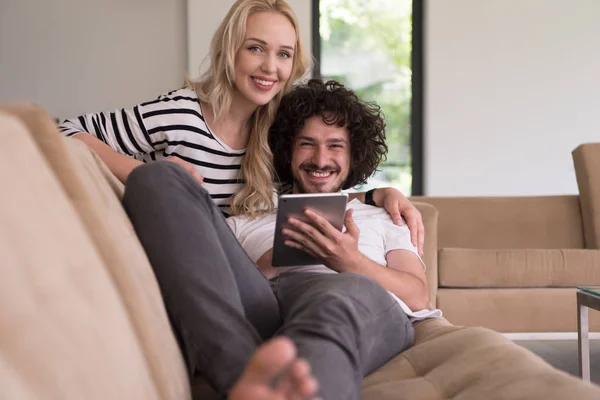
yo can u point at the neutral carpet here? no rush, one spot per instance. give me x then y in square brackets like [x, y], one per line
[563, 354]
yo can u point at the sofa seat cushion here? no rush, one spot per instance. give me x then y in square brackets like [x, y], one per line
[452, 362]
[518, 268]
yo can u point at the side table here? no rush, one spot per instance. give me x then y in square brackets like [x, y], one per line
[587, 297]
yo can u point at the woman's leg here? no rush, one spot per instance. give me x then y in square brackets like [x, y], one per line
[220, 304]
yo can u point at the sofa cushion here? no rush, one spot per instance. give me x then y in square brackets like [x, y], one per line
[93, 191]
[451, 362]
[518, 268]
[489, 222]
[456, 362]
[514, 310]
[64, 331]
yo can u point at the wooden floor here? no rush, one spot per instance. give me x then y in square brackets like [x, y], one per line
[563, 355]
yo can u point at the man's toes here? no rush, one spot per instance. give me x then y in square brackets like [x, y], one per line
[303, 381]
[274, 369]
[272, 358]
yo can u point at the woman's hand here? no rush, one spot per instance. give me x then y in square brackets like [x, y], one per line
[398, 206]
[188, 167]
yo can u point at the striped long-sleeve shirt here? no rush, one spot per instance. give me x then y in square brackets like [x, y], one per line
[172, 125]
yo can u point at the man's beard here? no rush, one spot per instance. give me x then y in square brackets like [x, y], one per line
[302, 189]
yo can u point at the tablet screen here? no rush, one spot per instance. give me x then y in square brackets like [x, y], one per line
[331, 206]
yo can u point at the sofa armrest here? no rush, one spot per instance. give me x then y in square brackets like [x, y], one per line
[430, 249]
[586, 158]
[535, 222]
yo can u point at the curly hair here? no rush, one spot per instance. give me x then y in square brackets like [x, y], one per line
[339, 106]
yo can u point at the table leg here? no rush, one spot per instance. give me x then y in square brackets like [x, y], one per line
[584, 342]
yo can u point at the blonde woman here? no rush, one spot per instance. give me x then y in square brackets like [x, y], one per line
[216, 128]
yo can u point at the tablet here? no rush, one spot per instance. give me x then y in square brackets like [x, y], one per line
[332, 206]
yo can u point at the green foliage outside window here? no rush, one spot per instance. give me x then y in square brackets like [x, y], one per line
[366, 44]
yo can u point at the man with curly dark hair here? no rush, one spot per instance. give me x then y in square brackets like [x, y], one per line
[337, 106]
[352, 313]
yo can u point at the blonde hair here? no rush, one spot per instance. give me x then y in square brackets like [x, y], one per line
[215, 87]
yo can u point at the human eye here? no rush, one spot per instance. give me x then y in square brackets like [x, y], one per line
[254, 49]
[305, 144]
[284, 54]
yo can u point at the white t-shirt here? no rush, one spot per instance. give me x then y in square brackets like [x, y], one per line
[378, 236]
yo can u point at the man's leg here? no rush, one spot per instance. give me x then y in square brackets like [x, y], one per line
[344, 325]
[220, 304]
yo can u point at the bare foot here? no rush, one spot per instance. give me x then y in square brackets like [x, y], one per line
[274, 373]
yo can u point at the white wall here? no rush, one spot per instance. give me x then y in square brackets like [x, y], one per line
[203, 22]
[512, 86]
[74, 56]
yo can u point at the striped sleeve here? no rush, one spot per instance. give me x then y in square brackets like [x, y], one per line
[123, 130]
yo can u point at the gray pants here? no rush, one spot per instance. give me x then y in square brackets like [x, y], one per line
[222, 307]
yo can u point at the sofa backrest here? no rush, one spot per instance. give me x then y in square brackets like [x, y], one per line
[65, 332]
[532, 222]
[93, 194]
[586, 158]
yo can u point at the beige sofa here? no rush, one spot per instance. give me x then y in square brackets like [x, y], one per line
[512, 263]
[81, 315]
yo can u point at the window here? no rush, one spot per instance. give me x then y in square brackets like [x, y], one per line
[374, 47]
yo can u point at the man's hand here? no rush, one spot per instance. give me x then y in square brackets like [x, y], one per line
[337, 250]
[188, 167]
[396, 204]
